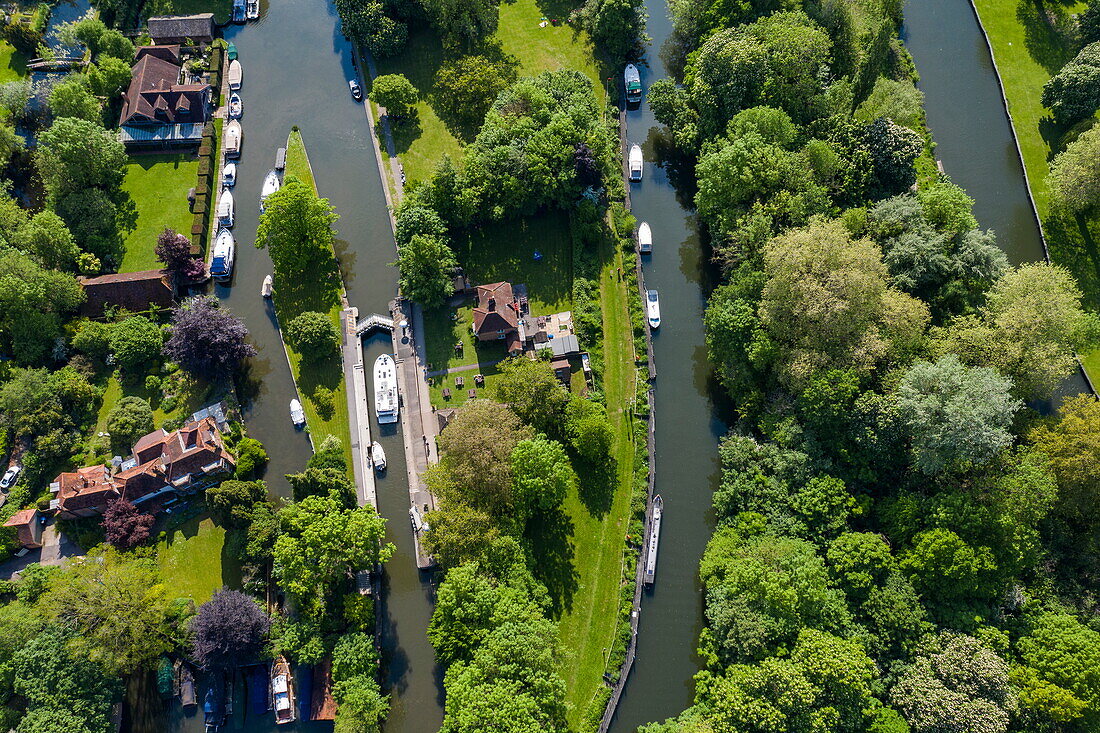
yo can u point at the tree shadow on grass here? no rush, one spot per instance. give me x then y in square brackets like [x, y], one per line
[1072, 245]
[405, 132]
[598, 481]
[549, 538]
[1047, 32]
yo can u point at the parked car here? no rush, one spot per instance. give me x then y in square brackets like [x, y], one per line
[10, 476]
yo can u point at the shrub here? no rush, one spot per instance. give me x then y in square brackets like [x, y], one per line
[250, 457]
[135, 341]
[324, 399]
[312, 335]
[128, 420]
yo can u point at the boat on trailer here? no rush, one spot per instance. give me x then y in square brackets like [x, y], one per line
[633, 81]
[635, 163]
[645, 239]
[654, 538]
[282, 691]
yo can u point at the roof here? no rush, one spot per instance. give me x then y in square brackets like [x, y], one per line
[164, 133]
[496, 309]
[182, 26]
[168, 53]
[85, 488]
[155, 94]
[22, 518]
[134, 291]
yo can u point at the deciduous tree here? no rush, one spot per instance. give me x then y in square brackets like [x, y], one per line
[124, 526]
[76, 154]
[466, 87]
[48, 240]
[135, 342]
[426, 266]
[72, 98]
[233, 502]
[174, 250]
[296, 228]
[394, 92]
[207, 340]
[463, 24]
[230, 629]
[542, 475]
[1075, 174]
[312, 335]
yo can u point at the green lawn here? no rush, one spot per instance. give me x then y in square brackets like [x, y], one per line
[220, 8]
[316, 290]
[158, 186]
[195, 560]
[13, 64]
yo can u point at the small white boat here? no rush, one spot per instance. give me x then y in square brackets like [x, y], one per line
[268, 287]
[633, 84]
[654, 538]
[645, 238]
[236, 106]
[378, 456]
[282, 691]
[297, 414]
[385, 389]
[225, 250]
[233, 138]
[653, 308]
[252, 10]
[225, 208]
[356, 90]
[236, 74]
[271, 185]
[635, 162]
[229, 174]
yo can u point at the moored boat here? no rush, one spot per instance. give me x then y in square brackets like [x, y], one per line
[378, 456]
[280, 159]
[229, 174]
[187, 686]
[654, 538]
[635, 162]
[236, 106]
[418, 523]
[645, 238]
[225, 250]
[653, 308]
[225, 208]
[252, 10]
[282, 691]
[297, 414]
[231, 52]
[356, 90]
[633, 84]
[268, 287]
[236, 74]
[385, 389]
[238, 11]
[271, 185]
[234, 136]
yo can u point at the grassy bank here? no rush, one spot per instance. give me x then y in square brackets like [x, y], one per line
[157, 186]
[319, 382]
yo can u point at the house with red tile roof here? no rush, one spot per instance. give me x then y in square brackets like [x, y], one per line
[496, 316]
[27, 526]
[158, 107]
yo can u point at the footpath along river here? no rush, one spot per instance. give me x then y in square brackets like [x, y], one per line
[296, 66]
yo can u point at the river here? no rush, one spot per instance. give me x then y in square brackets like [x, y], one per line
[296, 66]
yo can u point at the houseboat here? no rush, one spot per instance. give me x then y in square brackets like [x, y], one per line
[271, 185]
[234, 136]
[225, 208]
[225, 250]
[654, 538]
[236, 106]
[645, 239]
[282, 691]
[653, 308]
[268, 287]
[297, 414]
[236, 75]
[633, 84]
[252, 9]
[378, 457]
[385, 389]
[229, 174]
[635, 162]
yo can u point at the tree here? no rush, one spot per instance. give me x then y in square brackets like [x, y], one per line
[412, 218]
[135, 342]
[93, 220]
[476, 450]
[118, 607]
[232, 502]
[251, 457]
[463, 24]
[35, 402]
[368, 22]
[312, 335]
[32, 301]
[108, 76]
[394, 92]
[460, 533]
[947, 207]
[124, 526]
[899, 101]
[1065, 653]
[230, 629]
[47, 239]
[616, 26]
[893, 150]
[296, 228]
[466, 88]
[1072, 444]
[332, 483]
[1071, 94]
[207, 340]
[174, 250]
[72, 98]
[945, 568]
[323, 542]
[97, 37]
[588, 429]
[542, 476]
[76, 154]
[956, 416]
[956, 684]
[1075, 174]
[355, 686]
[426, 266]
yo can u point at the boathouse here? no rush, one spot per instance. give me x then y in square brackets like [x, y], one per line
[167, 29]
[133, 291]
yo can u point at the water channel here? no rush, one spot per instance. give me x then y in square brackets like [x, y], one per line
[296, 66]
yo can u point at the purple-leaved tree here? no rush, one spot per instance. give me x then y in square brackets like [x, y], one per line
[207, 340]
[174, 250]
[229, 629]
[124, 526]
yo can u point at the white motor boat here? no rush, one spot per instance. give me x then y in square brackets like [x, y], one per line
[385, 389]
[271, 185]
[378, 456]
[236, 106]
[356, 90]
[633, 84]
[233, 138]
[653, 308]
[268, 287]
[225, 250]
[229, 174]
[225, 208]
[297, 414]
[635, 162]
[252, 9]
[236, 75]
[645, 238]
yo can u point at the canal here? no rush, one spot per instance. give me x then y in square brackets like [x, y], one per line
[296, 66]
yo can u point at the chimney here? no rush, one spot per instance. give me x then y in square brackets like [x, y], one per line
[492, 303]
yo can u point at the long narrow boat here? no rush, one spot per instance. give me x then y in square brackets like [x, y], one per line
[236, 74]
[282, 691]
[654, 538]
[385, 389]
